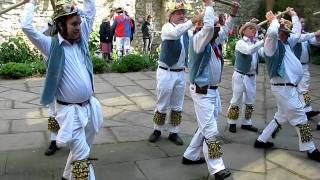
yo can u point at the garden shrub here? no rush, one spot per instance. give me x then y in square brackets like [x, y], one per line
[99, 65]
[15, 70]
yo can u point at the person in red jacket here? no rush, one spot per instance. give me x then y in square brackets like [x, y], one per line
[123, 26]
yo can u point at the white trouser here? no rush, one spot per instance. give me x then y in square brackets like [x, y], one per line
[290, 109]
[78, 126]
[170, 96]
[123, 45]
[207, 109]
[52, 113]
[304, 85]
[243, 92]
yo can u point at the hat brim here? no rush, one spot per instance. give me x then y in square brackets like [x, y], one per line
[65, 14]
[245, 26]
[288, 31]
[176, 10]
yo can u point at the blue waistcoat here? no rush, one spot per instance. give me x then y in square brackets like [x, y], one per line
[243, 62]
[199, 65]
[274, 62]
[55, 68]
[171, 50]
[297, 50]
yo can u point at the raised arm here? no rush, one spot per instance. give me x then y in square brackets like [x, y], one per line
[271, 40]
[87, 15]
[244, 48]
[41, 41]
[296, 28]
[170, 32]
[203, 37]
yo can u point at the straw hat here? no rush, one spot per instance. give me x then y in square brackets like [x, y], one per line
[64, 8]
[246, 25]
[178, 7]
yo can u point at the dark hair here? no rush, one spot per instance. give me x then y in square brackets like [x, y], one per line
[62, 21]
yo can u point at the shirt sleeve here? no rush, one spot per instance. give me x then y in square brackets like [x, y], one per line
[296, 29]
[203, 37]
[38, 39]
[171, 32]
[247, 49]
[87, 18]
[271, 40]
[224, 31]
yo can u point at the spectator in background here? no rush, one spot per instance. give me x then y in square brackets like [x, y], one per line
[122, 25]
[147, 34]
[106, 36]
[133, 26]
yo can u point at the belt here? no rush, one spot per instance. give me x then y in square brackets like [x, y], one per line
[174, 70]
[80, 104]
[284, 84]
[204, 89]
[304, 63]
[245, 74]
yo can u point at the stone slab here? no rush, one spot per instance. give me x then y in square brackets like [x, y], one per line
[6, 104]
[21, 141]
[20, 96]
[243, 157]
[295, 162]
[34, 82]
[20, 114]
[279, 173]
[29, 125]
[105, 136]
[103, 87]
[126, 152]
[145, 102]
[119, 171]
[5, 125]
[3, 162]
[113, 99]
[136, 76]
[133, 91]
[147, 84]
[171, 168]
[131, 133]
[120, 81]
[20, 105]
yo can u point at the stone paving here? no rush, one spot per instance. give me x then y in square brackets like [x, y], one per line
[122, 148]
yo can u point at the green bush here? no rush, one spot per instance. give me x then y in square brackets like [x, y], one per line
[99, 65]
[15, 70]
[119, 67]
[17, 50]
[38, 68]
[316, 60]
[94, 41]
[230, 48]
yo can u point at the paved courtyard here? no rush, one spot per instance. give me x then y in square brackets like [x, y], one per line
[122, 148]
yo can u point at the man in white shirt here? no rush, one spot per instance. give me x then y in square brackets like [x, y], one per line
[285, 72]
[170, 74]
[206, 64]
[302, 50]
[244, 78]
[69, 81]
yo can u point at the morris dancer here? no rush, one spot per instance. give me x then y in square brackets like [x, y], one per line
[285, 72]
[69, 80]
[170, 74]
[206, 65]
[244, 78]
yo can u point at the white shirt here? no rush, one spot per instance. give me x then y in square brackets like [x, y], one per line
[293, 68]
[246, 46]
[307, 39]
[203, 37]
[75, 85]
[172, 31]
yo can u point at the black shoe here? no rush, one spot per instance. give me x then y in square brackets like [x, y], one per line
[311, 114]
[315, 155]
[222, 174]
[63, 178]
[188, 161]
[233, 128]
[249, 128]
[259, 144]
[318, 126]
[175, 138]
[52, 149]
[155, 136]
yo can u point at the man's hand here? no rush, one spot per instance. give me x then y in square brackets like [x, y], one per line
[291, 11]
[270, 16]
[208, 2]
[317, 34]
[197, 18]
[235, 8]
